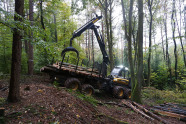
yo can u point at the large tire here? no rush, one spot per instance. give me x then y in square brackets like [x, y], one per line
[127, 93]
[87, 90]
[73, 83]
[118, 92]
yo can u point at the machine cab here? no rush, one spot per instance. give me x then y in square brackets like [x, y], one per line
[120, 72]
[121, 76]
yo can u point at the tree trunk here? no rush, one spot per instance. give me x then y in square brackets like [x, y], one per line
[150, 41]
[107, 29]
[111, 36]
[14, 88]
[180, 37]
[185, 20]
[86, 45]
[43, 26]
[124, 19]
[137, 89]
[162, 43]
[125, 51]
[55, 33]
[173, 36]
[92, 47]
[89, 46]
[26, 34]
[167, 52]
[41, 10]
[30, 45]
[135, 42]
[133, 81]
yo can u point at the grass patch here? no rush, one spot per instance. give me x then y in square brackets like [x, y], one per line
[152, 96]
[81, 96]
[89, 99]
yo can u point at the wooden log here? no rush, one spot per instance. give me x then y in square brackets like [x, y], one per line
[150, 113]
[57, 69]
[136, 110]
[171, 109]
[169, 114]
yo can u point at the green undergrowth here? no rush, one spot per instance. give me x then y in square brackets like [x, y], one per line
[153, 96]
[86, 98]
[2, 101]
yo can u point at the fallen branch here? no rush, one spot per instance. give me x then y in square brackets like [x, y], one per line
[137, 110]
[114, 103]
[150, 113]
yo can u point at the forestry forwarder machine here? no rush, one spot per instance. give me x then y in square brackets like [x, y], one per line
[87, 79]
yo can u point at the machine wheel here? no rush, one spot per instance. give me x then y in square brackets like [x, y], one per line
[127, 93]
[118, 92]
[73, 83]
[87, 89]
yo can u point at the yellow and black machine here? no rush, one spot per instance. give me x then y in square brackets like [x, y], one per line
[121, 80]
[87, 79]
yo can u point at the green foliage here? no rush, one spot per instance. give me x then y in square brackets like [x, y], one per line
[160, 74]
[86, 98]
[2, 101]
[89, 99]
[5, 49]
[49, 50]
[156, 96]
[76, 7]
[159, 79]
[181, 82]
[46, 48]
[24, 64]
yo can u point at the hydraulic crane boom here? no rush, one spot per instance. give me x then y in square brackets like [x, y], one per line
[78, 32]
[83, 28]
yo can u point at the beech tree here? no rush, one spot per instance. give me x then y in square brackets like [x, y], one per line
[173, 23]
[14, 88]
[152, 7]
[150, 2]
[180, 32]
[137, 90]
[168, 61]
[30, 45]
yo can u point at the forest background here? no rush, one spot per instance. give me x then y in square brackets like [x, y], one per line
[47, 26]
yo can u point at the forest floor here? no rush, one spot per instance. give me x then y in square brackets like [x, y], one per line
[43, 103]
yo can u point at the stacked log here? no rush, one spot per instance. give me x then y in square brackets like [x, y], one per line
[71, 68]
[152, 115]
